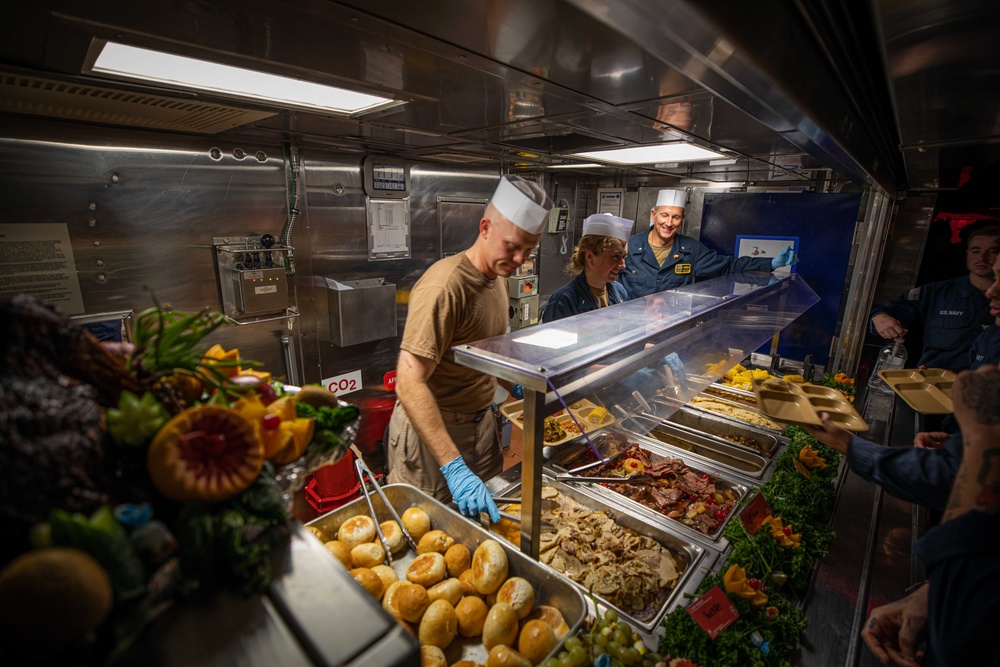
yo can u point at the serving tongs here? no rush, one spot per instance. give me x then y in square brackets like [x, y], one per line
[362, 470]
[639, 480]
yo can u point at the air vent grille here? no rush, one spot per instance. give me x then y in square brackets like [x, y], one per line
[46, 97]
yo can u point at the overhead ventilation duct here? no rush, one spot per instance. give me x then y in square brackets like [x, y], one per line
[38, 96]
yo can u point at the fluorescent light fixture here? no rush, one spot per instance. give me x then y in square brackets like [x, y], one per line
[168, 69]
[674, 152]
[577, 165]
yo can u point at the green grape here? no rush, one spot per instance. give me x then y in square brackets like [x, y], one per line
[562, 654]
[653, 658]
[613, 648]
[551, 662]
[598, 651]
[622, 655]
[601, 640]
[566, 662]
[578, 655]
[572, 643]
[611, 616]
[620, 635]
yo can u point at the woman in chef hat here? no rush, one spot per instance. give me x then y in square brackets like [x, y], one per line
[597, 260]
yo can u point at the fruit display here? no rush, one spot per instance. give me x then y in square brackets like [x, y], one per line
[154, 469]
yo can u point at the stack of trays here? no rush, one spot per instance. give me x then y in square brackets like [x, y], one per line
[927, 391]
[802, 404]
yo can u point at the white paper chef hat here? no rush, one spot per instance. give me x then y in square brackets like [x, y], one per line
[671, 198]
[605, 224]
[522, 202]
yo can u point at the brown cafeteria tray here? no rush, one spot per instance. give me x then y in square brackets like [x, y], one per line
[794, 403]
[688, 552]
[928, 391]
[550, 589]
[514, 411]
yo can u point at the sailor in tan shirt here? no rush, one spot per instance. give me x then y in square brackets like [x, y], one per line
[442, 436]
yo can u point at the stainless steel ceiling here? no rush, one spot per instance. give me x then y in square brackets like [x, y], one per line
[902, 94]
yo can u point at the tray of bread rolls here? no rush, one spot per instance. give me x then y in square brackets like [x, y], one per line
[560, 427]
[464, 595]
[792, 403]
[926, 390]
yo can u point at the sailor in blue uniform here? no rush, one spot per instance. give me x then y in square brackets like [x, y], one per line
[661, 259]
[597, 260]
[953, 313]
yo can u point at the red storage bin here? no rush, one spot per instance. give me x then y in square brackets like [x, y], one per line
[333, 485]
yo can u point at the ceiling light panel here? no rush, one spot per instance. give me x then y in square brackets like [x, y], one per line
[120, 60]
[661, 153]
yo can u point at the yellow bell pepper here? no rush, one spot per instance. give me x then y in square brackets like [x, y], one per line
[783, 534]
[811, 459]
[735, 581]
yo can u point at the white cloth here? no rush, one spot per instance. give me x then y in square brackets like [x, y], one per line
[671, 198]
[522, 202]
[605, 224]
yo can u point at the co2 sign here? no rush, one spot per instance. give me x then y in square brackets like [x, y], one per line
[344, 384]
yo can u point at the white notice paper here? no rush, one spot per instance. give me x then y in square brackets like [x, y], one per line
[553, 339]
[37, 259]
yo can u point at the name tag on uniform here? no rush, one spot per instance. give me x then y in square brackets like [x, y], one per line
[682, 268]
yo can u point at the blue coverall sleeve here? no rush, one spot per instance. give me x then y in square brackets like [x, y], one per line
[559, 306]
[710, 264]
[921, 476]
[910, 313]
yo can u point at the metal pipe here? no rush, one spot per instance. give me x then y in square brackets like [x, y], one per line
[295, 166]
[291, 369]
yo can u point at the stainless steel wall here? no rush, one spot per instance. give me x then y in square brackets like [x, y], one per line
[142, 210]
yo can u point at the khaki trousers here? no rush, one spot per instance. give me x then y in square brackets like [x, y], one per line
[411, 462]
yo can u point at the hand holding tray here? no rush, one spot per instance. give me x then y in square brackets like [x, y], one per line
[794, 403]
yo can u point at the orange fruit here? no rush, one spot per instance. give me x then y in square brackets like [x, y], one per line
[207, 452]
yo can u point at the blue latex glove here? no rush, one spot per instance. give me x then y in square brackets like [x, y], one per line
[517, 391]
[468, 490]
[786, 257]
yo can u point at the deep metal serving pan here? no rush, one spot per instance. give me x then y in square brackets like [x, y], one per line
[550, 588]
[731, 394]
[738, 459]
[658, 452]
[686, 551]
[705, 421]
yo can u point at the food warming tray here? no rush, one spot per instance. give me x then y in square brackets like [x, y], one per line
[660, 453]
[802, 404]
[928, 391]
[582, 409]
[550, 589]
[723, 453]
[730, 430]
[691, 553]
[663, 408]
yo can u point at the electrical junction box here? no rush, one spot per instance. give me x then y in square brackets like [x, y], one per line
[523, 312]
[260, 291]
[522, 286]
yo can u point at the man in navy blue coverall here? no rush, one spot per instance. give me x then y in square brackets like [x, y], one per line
[659, 258]
[952, 312]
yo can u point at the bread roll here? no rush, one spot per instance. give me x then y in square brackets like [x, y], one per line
[389, 599]
[536, 640]
[552, 616]
[356, 530]
[427, 569]
[412, 602]
[519, 594]
[491, 599]
[489, 567]
[368, 555]
[471, 612]
[432, 656]
[500, 626]
[468, 588]
[458, 559]
[341, 552]
[369, 581]
[435, 540]
[438, 626]
[466, 663]
[393, 535]
[504, 656]
[417, 522]
[449, 589]
[386, 574]
[320, 535]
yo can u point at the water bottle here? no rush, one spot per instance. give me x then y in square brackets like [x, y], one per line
[892, 357]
